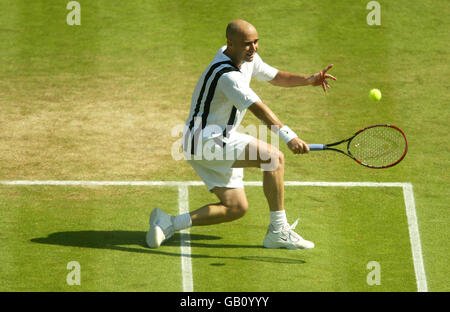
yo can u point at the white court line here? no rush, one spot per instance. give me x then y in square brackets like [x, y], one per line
[186, 265]
[103, 183]
[408, 196]
[196, 183]
[414, 237]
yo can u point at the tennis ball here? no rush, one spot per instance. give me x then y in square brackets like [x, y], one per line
[375, 94]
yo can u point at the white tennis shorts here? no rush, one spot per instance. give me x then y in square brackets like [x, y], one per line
[215, 167]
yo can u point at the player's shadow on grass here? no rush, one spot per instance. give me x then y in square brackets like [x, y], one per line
[118, 240]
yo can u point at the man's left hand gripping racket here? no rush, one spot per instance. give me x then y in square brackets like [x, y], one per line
[377, 146]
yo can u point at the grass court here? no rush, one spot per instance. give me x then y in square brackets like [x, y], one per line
[97, 102]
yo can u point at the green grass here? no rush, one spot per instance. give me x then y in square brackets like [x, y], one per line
[103, 228]
[97, 102]
[349, 228]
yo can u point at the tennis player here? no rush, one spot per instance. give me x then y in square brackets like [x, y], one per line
[219, 103]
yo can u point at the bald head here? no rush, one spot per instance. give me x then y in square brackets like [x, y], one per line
[239, 28]
[242, 41]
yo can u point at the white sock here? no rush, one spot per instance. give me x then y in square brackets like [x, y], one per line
[182, 221]
[278, 219]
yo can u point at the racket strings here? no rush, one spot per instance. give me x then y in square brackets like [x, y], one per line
[378, 146]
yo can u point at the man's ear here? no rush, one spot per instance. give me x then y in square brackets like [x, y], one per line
[229, 43]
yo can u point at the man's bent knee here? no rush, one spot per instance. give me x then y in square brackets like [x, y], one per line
[234, 200]
[275, 161]
[237, 209]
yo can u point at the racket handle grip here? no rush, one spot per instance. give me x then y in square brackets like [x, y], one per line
[317, 147]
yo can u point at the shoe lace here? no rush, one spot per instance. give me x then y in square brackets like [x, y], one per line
[293, 225]
[289, 230]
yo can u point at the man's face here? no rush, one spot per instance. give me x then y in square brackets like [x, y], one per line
[245, 45]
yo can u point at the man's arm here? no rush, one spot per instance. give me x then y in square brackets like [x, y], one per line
[265, 114]
[287, 79]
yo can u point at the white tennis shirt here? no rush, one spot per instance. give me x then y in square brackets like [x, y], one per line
[223, 94]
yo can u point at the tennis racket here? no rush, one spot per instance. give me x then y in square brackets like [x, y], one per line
[377, 146]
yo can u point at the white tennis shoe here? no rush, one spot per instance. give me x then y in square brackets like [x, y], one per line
[161, 228]
[286, 238]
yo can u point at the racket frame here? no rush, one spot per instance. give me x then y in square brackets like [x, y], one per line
[349, 140]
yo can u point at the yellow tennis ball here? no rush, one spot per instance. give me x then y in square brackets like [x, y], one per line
[375, 94]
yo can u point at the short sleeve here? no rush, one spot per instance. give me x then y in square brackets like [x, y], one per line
[237, 91]
[263, 71]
